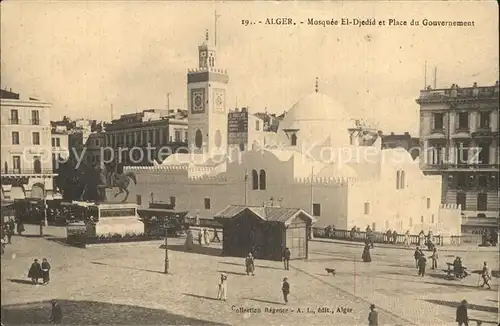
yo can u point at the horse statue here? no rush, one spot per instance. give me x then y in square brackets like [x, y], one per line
[110, 179]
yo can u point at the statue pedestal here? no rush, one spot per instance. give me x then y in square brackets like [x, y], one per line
[116, 218]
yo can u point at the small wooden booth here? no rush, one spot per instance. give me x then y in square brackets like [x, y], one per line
[265, 231]
[159, 215]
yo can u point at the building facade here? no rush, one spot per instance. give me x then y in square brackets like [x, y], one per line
[335, 174]
[26, 151]
[60, 147]
[406, 141]
[459, 142]
[128, 138]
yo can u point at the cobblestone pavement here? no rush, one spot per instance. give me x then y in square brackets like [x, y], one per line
[124, 284]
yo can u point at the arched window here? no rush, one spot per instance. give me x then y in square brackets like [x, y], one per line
[37, 165]
[262, 180]
[294, 140]
[198, 139]
[402, 176]
[398, 178]
[255, 180]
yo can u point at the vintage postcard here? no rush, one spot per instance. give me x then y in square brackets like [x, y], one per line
[249, 162]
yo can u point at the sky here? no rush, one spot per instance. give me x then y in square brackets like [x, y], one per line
[84, 57]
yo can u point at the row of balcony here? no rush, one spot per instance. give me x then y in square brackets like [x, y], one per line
[33, 122]
[447, 166]
[483, 129]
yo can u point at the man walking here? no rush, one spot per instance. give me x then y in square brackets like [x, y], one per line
[285, 288]
[434, 258]
[421, 265]
[462, 316]
[56, 315]
[286, 258]
[486, 275]
[417, 255]
[216, 236]
[221, 294]
[35, 272]
[373, 316]
[45, 271]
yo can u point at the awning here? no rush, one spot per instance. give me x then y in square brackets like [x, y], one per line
[159, 212]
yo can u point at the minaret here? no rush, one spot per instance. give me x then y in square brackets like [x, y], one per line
[207, 110]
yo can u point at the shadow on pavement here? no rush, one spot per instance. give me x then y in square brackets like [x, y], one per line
[209, 251]
[200, 296]
[232, 273]
[94, 313]
[256, 266]
[62, 241]
[126, 267]
[264, 301]
[470, 306]
[19, 281]
[456, 285]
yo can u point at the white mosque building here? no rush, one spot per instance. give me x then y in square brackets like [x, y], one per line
[319, 161]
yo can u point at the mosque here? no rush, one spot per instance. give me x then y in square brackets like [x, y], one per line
[321, 160]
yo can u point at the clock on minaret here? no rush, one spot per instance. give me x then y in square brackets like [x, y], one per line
[219, 101]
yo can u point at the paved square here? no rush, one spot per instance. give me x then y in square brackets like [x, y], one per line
[124, 284]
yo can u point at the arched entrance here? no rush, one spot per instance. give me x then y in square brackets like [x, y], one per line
[37, 191]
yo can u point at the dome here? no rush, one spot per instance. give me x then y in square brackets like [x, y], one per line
[314, 120]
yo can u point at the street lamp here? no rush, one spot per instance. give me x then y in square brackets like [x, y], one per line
[166, 247]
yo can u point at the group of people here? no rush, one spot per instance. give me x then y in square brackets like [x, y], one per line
[7, 233]
[39, 271]
[203, 238]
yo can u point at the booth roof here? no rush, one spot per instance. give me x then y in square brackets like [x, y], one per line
[271, 214]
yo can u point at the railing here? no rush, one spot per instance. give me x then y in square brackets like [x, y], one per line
[35, 122]
[26, 171]
[377, 237]
[14, 121]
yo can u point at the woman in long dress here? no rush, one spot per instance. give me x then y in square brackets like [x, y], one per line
[366, 254]
[206, 236]
[189, 240]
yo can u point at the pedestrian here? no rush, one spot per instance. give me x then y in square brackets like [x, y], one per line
[394, 237]
[35, 271]
[250, 265]
[56, 315]
[45, 271]
[462, 316]
[285, 288]
[417, 255]
[20, 227]
[434, 258]
[189, 244]
[221, 294]
[206, 236]
[421, 265]
[9, 229]
[421, 238]
[216, 236]
[286, 258]
[367, 258]
[486, 275]
[407, 238]
[201, 239]
[373, 316]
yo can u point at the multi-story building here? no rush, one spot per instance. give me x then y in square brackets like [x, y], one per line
[130, 136]
[459, 141]
[60, 146]
[406, 141]
[26, 151]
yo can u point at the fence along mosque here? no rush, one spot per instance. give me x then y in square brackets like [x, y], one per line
[318, 161]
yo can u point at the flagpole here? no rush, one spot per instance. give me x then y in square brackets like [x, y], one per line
[246, 179]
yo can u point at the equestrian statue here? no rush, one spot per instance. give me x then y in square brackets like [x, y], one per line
[111, 176]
